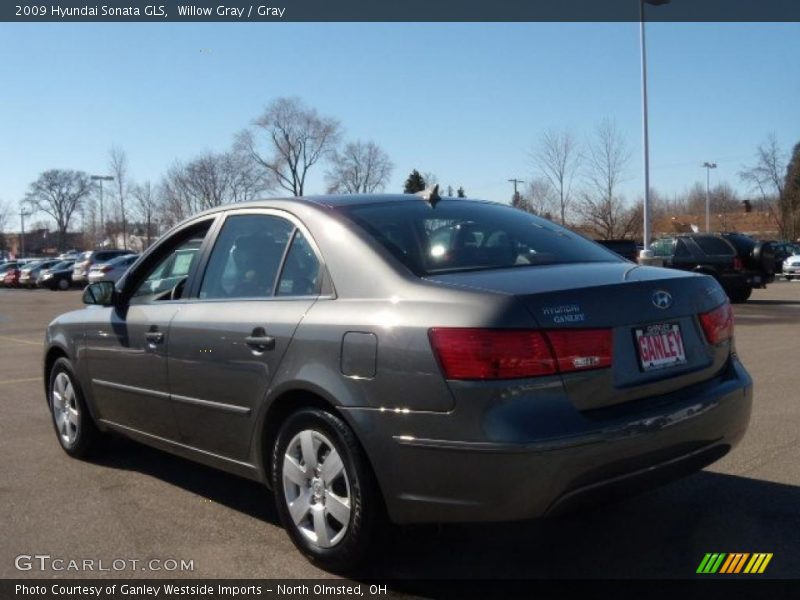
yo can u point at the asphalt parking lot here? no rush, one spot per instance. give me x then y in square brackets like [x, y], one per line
[138, 503]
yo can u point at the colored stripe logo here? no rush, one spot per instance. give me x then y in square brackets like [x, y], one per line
[734, 563]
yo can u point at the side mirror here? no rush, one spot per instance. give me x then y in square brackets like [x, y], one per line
[101, 293]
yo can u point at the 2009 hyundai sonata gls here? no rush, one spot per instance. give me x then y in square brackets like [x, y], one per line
[373, 357]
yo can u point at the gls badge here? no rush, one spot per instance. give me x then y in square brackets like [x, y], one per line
[661, 299]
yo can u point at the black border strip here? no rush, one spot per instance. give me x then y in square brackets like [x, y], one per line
[407, 10]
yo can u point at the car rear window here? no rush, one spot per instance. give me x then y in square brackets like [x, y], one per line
[460, 235]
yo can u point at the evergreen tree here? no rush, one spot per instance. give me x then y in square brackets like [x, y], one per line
[415, 183]
[461, 193]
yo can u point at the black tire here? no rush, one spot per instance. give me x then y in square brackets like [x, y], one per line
[78, 436]
[740, 294]
[367, 518]
[63, 285]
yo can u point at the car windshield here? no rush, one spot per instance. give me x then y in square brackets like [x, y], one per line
[465, 235]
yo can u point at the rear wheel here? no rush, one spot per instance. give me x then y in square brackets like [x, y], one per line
[63, 284]
[76, 431]
[325, 490]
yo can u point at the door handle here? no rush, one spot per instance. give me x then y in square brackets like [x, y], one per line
[154, 337]
[261, 342]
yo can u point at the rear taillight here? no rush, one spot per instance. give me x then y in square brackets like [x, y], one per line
[718, 323]
[105, 269]
[492, 353]
[738, 265]
[517, 353]
[581, 349]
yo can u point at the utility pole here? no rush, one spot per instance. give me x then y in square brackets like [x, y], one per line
[516, 193]
[22, 215]
[101, 179]
[708, 166]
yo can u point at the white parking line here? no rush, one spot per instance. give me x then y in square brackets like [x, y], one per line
[25, 380]
[19, 341]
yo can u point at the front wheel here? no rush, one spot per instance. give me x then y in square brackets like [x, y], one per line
[325, 490]
[76, 431]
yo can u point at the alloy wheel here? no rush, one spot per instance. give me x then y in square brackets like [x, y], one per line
[316, 488]
[65, 409]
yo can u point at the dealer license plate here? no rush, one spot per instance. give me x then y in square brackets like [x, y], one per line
[660, 346]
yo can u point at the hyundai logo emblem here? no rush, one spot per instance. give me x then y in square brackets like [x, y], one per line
[661, 299]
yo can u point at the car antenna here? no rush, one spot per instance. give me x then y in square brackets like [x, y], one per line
[431, 195]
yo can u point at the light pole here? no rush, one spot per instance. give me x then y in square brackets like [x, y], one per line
[708, 166]
[646, 151]
[101, 179]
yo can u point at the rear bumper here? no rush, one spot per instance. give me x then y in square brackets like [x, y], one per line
[791, 271]
[430, 478]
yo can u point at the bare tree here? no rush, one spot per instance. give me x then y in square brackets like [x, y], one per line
[5, 215]
[430, 179]
[287, 140]
[210, 180]
[118, 164]
[538, 198]
[601, 205]
[359, 168]
[245, 180]
[767, 177]
[146, 206]
[558, 159]
[59, 193]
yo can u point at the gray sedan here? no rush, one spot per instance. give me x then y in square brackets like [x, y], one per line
[401, 359]
[112, 270]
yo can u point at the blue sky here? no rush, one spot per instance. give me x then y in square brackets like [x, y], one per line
[464, 101]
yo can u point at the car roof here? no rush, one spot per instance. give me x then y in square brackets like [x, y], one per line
[335, 201]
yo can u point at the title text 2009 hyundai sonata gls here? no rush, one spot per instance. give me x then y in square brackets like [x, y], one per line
[401, 358]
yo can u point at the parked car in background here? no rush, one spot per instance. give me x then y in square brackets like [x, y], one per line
[57, 277]
[784, 250]
[70, 255]
[709, 254]
[625, 248]
[481, 364]
[85, 261]
[791, 266]
[11, 276]
[6, 266]
[29, 273]
[113, 269]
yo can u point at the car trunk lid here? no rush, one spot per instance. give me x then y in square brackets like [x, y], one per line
[658, 343]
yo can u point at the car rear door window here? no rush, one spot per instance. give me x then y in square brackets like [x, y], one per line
[246, 257]
[681, 249]
[300, 274]
[714, 245]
